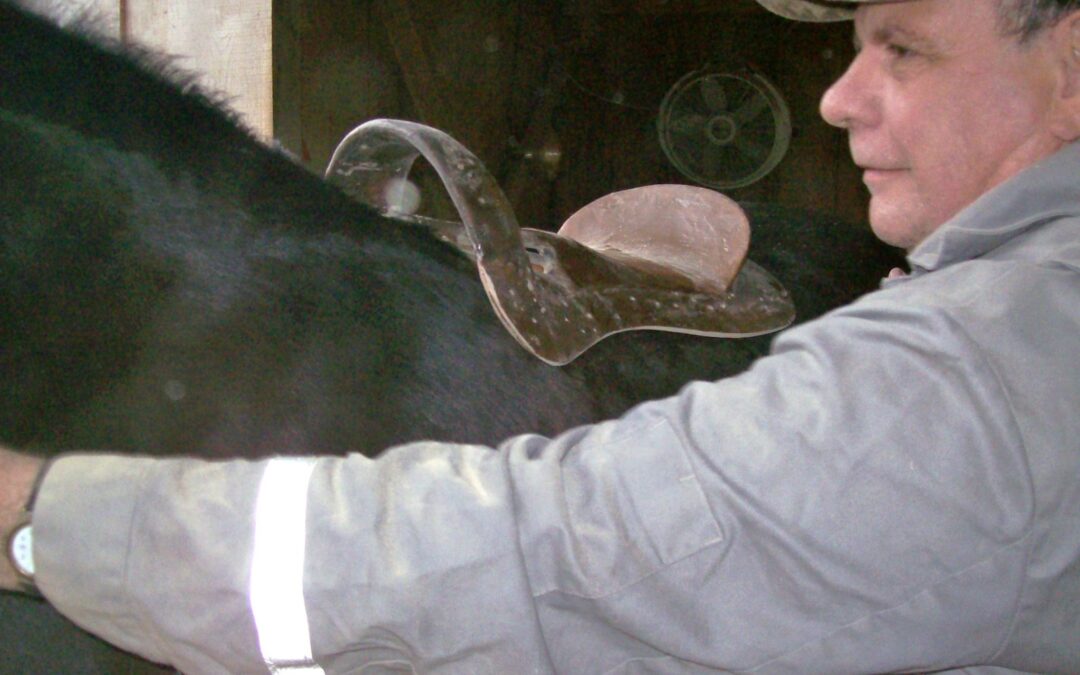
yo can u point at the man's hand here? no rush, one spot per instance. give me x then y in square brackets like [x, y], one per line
[17, 475]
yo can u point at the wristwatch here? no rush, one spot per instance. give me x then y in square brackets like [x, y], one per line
[19, 546]
[20, 553]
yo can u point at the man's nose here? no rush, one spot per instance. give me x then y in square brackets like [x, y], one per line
[851, 101]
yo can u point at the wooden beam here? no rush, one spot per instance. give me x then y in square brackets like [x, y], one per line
[416, 69]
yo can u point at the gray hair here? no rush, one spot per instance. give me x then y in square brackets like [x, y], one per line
[1023, 19]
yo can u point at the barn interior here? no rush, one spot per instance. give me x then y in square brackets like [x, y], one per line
[564, 101]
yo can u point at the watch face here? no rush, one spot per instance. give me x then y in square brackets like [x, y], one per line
[21, 550]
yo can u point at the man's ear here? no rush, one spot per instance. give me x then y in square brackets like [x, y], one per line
[1072, 23]
[1067, 44]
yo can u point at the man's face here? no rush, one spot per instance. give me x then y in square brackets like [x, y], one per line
[939, 107]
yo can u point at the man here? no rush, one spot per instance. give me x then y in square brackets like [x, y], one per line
[896, 488]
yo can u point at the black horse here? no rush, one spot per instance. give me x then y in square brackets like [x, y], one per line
[168, 285]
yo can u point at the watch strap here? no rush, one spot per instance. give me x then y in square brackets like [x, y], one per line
[38, 480]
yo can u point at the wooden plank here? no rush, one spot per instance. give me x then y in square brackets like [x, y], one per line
[227, 41]
[287, 84]
[103, 15]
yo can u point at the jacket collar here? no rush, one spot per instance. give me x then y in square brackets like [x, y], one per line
[1045, 191]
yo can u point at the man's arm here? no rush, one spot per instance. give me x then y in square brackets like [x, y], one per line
[17, 475]
[774, 521]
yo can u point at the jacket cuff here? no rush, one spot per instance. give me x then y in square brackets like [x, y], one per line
[82, 523]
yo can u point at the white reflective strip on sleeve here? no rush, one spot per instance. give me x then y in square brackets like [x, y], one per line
[277, 567]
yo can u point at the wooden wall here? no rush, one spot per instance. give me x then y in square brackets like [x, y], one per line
[560, 99]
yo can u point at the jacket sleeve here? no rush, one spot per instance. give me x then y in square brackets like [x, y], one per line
[859, 501]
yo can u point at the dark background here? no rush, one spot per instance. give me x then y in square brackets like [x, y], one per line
[582, 79]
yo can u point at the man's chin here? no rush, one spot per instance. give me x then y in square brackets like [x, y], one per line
[894, 226]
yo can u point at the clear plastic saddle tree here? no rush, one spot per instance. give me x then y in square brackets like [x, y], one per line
[662, 257]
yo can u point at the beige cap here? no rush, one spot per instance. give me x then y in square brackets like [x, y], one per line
[811, 10]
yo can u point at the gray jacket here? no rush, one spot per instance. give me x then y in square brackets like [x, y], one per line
[897, 487]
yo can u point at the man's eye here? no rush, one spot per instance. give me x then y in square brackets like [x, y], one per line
[899, 51]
